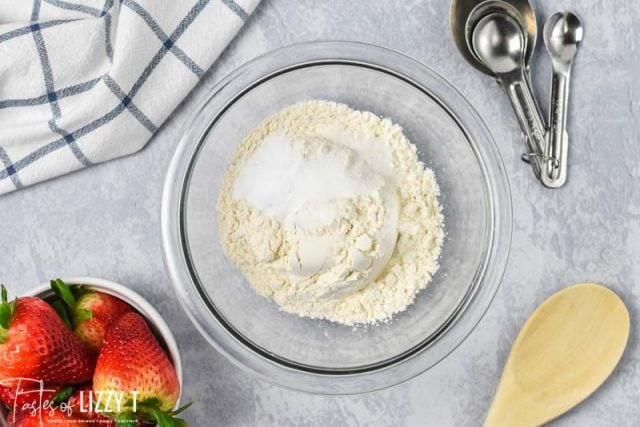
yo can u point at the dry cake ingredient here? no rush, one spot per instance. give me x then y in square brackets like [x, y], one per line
[328, 211]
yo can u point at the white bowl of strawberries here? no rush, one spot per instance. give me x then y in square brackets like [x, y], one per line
[86, 351]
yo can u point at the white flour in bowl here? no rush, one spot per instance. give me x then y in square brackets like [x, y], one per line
[328, 211]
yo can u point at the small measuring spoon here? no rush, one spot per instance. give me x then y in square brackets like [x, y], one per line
[498, 41]
[563, 33]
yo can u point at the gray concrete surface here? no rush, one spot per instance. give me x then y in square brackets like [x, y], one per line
[103, 221]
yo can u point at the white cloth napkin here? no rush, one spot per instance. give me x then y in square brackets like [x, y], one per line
[83, 82]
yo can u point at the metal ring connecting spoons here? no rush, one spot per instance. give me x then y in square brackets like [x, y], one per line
[563, 33]
[498, 41]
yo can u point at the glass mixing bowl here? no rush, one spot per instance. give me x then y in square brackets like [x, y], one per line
[316, 355]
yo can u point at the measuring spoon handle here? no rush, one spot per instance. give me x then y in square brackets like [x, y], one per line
[554, 172]
[519, 90]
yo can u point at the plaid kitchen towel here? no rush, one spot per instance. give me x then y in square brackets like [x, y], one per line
[82, 82]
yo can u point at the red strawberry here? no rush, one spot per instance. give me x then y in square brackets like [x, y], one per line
[45, 417]
[27, 395]
[80, 404]
[131, 360]
[91, 313]
[36, 344]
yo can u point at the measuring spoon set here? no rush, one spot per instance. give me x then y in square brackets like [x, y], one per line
[498, 37]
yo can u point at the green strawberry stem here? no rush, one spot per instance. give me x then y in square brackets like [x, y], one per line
[147, 410]
[7, 311]
[181, 409]
[69, 299]
[163, 419]
[63, 395]
[61, 309]
[64, 292]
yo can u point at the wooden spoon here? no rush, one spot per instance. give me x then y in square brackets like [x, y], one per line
[565, 351]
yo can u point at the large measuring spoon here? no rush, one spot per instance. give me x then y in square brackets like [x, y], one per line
[465, 13]
[564, 352]
[563, 33]
[498, 41]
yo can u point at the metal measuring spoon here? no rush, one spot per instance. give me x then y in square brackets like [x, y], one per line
[563, 33]
[498, 41]
[464, 14]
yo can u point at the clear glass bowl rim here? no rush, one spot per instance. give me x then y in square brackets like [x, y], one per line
[276, 62]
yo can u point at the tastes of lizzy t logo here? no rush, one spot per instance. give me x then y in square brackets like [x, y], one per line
[31, 397]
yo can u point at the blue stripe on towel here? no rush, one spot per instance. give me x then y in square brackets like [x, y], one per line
[179, 53]
[51, 95]
[237, 9]
[35, 11]
[106, 9]
[126, 101]
[43, 99]
[88, 10]
[27, 30]
[11, 171]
